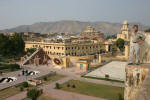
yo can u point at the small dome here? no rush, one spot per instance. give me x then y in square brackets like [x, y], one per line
[125, 22]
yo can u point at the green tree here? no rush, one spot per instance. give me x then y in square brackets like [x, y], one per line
[4, 45]
[148, 30]
[45, 78]
[120, 44]
[57, 86]
[18, 44]
[21, 88]
[30, 50]
[13, 45]
[25, 84]
[33, 94]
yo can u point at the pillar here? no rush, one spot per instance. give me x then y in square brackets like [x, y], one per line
[99, 58]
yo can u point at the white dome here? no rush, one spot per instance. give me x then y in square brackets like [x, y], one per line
[125, 22]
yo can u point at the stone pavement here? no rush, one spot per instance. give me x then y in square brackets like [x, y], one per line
[115, 70]
[21, 79]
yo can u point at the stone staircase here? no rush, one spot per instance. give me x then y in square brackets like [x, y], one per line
[40, 53]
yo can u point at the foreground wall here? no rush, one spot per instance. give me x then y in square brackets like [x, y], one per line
[137, 84]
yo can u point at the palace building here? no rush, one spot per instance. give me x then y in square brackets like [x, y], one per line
[92, 34]
[77, 46]
[72, 49]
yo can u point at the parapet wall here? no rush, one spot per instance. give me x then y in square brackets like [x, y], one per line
[137, 84]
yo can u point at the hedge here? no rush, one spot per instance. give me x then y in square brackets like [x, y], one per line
[9, 66]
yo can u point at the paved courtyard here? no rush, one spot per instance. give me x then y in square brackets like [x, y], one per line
[115, 70]
[71, 74]
[21, 78]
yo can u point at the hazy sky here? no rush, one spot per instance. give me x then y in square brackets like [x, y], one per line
[20, 12]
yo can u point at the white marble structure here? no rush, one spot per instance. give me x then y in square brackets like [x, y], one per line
[115, 70]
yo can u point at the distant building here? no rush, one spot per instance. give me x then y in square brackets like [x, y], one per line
[92, 33]
[124, 33]
[12, 33]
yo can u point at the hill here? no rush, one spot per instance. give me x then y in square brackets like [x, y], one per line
[70, 26]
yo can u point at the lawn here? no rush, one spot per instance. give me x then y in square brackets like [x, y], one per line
[5, 68]
[92, 89]
[9, 70]
[42, 97]
[51, 78]
[16, 89]
[11, 58]
[12, 91]
[8, 92]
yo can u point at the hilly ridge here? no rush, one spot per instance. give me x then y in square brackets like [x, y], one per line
[70, 26]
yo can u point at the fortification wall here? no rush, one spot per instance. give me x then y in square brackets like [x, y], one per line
[137, 84]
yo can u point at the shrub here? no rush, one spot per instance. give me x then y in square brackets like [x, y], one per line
[21, 88]
[16, 66]
[68, 85]
[73, 86]
[41, 91]
[10, 66]
[33, 94]
[57, 86]
[25, 84]
[45, 78]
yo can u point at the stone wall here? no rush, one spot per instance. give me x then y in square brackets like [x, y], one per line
[137, 82]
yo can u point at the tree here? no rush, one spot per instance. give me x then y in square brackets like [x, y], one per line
[120, 44]
[21, 88]
[57, 86]
[30, 50]
[111, 37]
[18, 44]
[25, 84]
[11, 45]
[33, 94]
[4, 45]
[148, 30]
[45, 78]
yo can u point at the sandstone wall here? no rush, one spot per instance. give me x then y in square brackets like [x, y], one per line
[136, 80]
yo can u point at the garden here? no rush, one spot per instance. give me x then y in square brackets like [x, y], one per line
[93, 89]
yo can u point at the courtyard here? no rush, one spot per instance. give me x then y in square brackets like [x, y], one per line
[115, 70]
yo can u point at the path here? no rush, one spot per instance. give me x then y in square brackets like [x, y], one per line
[64, 95]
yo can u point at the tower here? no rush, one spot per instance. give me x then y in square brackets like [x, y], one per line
[124, 33]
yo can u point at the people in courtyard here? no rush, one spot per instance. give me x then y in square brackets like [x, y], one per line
[136, 39]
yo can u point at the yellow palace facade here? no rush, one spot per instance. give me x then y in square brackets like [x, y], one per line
[69, 49]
